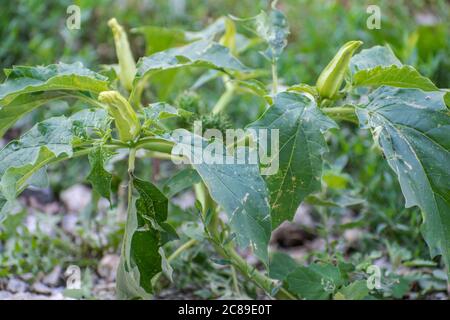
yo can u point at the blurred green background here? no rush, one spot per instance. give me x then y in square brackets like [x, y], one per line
[34, 32]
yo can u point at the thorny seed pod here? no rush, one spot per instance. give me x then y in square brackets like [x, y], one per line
[126, 119]
[330, 80]
[127, 64]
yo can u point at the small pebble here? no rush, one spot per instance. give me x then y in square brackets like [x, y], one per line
[16, 286]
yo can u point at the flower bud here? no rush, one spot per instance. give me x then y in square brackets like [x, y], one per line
[127, 65]
[229, 38]
[330, 80]
[125, 118]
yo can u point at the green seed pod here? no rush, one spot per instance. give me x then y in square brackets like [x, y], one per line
[330, 80]
[219, 121]
[190, 101]
[127, 64]
[125, 118]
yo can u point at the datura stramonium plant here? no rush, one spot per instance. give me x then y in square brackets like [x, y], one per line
[237, 206]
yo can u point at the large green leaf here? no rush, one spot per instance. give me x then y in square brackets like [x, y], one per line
[27, 88]
[357, 290]
[413, 129]
[301, 144]
[209, 32]
[155, 113]
[53, 77]
[20, 106]
[162, 110]
[378, 66]
[238, 188]
[181, 180]
[159, 38]
[98, 176]
[46, 141]
[402, 77]
[272, 28]
[373, 57]
[447, 97]
[316, 281]
[281, 265]
[89, 121]
[200, 53]
[141, 258]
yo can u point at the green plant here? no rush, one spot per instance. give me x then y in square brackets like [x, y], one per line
[405, 112]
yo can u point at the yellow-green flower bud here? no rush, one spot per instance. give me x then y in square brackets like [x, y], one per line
[330, 80]
[125, 118]
[229, 38]
[127, 65]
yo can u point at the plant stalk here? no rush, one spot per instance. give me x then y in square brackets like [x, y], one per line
[235, 281]
[207, 203]
[224, 100]
[181, 249]
[251, 273]
[342, 113]
[345, 110]
[274, 77]
[131, 161]
[228, 252]
[176, 253]
[155, 144]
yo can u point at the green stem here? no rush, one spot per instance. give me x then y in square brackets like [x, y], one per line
[131, 161]
[342, 113]
[155, 144]
[163, 156]
[339, 110]
[224, 100]
[326, 233]
[252, 274]
[131, 164]
[207, 203]
[181, 249]
[176, 253]
[235, 281]
[136, 93]
[274, 77]
[228, 252]
[118, 143]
